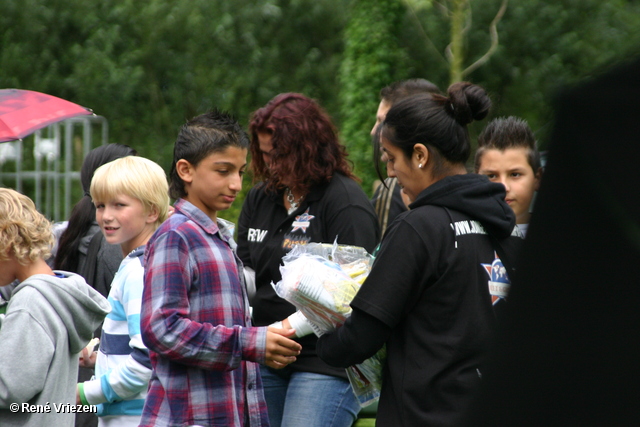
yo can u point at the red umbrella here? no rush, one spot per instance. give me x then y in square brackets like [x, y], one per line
[22, 112]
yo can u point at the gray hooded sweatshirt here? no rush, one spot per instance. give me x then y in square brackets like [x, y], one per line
[49, 320]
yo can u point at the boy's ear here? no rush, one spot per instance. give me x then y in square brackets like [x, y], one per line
[6, 253]
[153, 215]
[538, 178]
[184, 170]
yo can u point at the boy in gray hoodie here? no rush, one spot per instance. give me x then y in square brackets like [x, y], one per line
[50, 317]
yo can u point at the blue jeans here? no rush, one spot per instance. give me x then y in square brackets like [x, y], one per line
[305, 399]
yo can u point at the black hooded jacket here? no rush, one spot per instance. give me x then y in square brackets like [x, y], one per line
[427, 297]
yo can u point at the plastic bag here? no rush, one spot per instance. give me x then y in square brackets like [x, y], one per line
[321, 280]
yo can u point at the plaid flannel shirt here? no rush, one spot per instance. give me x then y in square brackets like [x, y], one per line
[196, 323]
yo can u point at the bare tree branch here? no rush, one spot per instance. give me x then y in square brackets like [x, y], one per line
[468, 20]
[459, 19]
[494, 41]
[448, 52]
[442, 7]
[424, 33]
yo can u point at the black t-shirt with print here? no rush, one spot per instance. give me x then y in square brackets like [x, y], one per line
[266, 232]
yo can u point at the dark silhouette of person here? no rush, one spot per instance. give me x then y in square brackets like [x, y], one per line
[568, 351]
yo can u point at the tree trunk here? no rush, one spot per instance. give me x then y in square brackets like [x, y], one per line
[458, 15]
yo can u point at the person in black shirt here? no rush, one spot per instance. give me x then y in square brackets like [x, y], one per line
[307, 194]
[427, 296]
[388, 199]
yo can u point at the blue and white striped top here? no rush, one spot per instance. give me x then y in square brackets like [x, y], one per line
[123, 367]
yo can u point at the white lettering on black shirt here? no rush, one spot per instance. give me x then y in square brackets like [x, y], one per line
[468, 227]
[256, 235]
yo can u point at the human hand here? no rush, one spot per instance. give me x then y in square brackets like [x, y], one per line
[297, 321]
[78, 401]
[281, 350]
[88, 356]
[286, 324]
[87, 359]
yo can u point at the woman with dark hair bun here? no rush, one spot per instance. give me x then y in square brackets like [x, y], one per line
[428, 294]
[307, 194]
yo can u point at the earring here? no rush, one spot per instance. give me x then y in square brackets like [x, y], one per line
[420, 165]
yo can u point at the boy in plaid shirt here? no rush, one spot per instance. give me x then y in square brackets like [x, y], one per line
[195, 316]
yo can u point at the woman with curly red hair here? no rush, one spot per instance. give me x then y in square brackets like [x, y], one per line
[307, 193]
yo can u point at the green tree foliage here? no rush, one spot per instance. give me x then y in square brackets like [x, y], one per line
[544, 46]
[372, 60]
[149, 66]
[574, 40]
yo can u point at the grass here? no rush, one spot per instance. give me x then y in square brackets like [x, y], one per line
[365, 422]
[367, 416]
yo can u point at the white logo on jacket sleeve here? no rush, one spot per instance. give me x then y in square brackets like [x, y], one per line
[256, 235]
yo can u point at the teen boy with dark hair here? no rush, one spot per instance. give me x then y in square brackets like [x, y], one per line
[195, 316]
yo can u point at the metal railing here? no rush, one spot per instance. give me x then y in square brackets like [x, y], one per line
[46, 165]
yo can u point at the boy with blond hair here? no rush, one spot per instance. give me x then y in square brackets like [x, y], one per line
[131, 196]
[50, 317]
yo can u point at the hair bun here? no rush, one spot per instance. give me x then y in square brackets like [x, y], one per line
[467, 102]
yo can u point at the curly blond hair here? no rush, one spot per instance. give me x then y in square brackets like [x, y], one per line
[24, 232]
